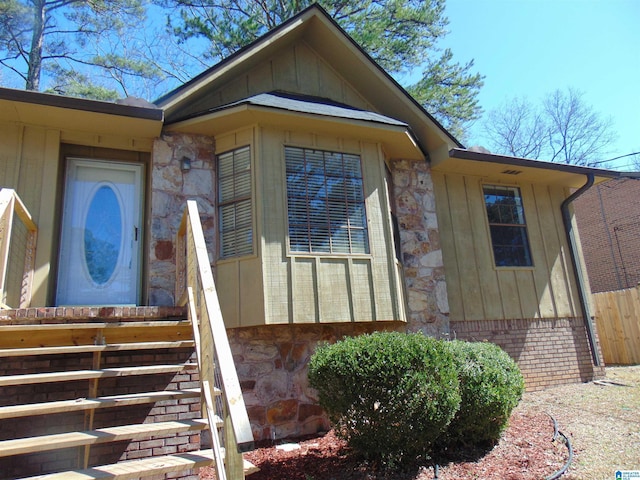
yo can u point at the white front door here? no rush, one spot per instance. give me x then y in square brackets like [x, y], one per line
[99, 261]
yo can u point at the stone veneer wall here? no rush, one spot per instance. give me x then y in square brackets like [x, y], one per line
[425, 285]
[170, 190]
[272, 360]
[272, 364]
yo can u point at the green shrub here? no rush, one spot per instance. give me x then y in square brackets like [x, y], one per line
[390, 395]
[491, 386]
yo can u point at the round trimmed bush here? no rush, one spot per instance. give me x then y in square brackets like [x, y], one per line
[491, 386]
[389, 394]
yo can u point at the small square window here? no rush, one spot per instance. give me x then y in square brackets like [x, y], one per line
[507, 226]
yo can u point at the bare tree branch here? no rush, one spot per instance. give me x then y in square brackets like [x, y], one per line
[562, 129]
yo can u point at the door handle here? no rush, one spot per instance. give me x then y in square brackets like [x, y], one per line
[135, 234]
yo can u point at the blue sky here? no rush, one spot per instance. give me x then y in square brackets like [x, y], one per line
[532, 47]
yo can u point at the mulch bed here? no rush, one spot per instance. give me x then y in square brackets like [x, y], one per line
[525, 452]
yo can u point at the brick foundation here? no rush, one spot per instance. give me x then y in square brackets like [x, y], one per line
[38, 315]
[548, 351]
[272, 363]
[34, 464]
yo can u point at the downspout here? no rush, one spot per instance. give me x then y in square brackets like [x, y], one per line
[573, 250]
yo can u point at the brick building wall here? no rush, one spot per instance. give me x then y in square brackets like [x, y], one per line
[63, 459]
[548, 351]
[71, 458]
[272, 360]
[608, 217]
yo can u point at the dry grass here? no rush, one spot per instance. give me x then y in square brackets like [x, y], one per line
[602, 420]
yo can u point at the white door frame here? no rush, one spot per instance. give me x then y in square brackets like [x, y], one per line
[88, 275]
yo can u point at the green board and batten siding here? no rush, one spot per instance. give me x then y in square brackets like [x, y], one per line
[276, 286]
[296, 69]
[29, 164]
[477, 289]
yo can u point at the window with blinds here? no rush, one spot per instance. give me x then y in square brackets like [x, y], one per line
[507, 225]
[325, 201]
[234, 203]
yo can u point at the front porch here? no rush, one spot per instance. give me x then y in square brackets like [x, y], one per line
[120, 392]
[73, 380]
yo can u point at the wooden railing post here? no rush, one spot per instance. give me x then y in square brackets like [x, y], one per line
[7, 199]
[29, 267]
[215, 360]
[11, 204]
[181, 262]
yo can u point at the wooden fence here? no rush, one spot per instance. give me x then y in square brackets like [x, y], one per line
[618, 321]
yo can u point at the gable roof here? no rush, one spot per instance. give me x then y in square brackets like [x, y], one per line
[330, 41]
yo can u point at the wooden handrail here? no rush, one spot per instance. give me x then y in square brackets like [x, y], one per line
[195, 286]
[10, 204]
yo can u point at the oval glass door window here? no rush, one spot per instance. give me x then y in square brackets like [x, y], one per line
[103, 235]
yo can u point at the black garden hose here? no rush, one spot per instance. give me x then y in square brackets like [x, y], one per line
[556, 433]
[567, 442]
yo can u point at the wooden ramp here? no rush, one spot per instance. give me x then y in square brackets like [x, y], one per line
[53, 343]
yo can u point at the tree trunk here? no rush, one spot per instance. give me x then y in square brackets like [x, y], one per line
[37, 40]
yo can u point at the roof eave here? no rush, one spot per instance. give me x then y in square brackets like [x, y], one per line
[527, 162]
[81, 104]
[245, 114]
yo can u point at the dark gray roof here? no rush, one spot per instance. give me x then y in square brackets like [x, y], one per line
[527, 162]
[145, 111]
[307, 104]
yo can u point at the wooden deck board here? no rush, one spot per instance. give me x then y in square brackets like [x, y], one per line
[64, 406]
[27, 326]
[15, 352]
[91, 374]
[19, 446]
[134, 469]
